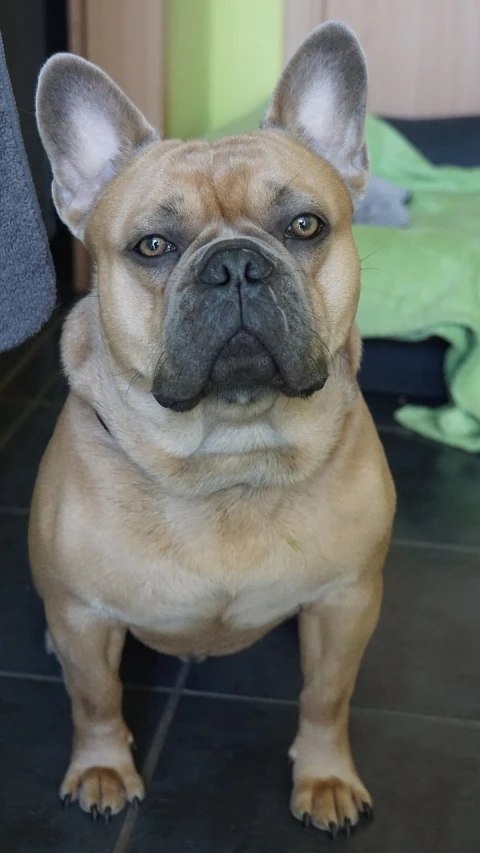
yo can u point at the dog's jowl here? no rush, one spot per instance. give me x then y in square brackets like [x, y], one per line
[215, 468]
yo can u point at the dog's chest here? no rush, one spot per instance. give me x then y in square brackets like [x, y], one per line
[215, 576]
[179, 595]
[213, 614]
[215, 623]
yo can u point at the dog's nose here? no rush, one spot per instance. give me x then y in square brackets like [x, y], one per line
[235, 265]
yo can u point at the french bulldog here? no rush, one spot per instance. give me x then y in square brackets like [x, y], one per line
[215, 469]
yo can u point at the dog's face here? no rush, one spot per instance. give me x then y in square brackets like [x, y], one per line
[223, 268]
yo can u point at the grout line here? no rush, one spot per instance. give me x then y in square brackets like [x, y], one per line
[457, 722]
[156, 747]
[175, 693]
[42, 338]
[426, 545]
[31, 676]
[149, 688]
[238, 697]
[356, 709]
[123, 841]
[134, 688]
[24, 416]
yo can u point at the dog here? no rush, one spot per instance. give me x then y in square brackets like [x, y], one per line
[215, 469]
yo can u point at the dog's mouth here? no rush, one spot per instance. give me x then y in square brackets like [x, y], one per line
[243, 363]
[243, 371]
[237, 326]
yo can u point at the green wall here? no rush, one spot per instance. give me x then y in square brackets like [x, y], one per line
[223, 60]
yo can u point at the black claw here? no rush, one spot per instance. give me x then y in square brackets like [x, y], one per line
[107, 815]
[94, 813]
[332, 830]
[67, 801]
[367, 812]
[347, 827]
[135, 804]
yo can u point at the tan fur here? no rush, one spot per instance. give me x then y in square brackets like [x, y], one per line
[199, 532]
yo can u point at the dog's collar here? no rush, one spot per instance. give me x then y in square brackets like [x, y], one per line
[102, 422]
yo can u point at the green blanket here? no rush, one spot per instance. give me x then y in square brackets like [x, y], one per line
[424, 280]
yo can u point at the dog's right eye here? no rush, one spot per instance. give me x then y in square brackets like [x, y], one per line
[153, 246]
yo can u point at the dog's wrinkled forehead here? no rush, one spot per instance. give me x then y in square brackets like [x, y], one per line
[93, 133]
[247, 180]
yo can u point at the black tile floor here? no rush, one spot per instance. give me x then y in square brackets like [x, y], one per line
[212, 739]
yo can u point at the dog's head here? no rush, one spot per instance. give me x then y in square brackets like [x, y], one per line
[224, 268]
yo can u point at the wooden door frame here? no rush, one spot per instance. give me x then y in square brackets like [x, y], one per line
[423, 54]
[301, 16]
[138, 26]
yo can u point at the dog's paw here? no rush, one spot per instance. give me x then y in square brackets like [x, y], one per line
[102, 791]
[332, 805]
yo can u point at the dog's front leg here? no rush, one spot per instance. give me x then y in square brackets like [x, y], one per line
[101, 775]
[328, 792]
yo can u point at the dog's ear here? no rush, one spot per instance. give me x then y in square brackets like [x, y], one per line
[321, 99]
[89, 129]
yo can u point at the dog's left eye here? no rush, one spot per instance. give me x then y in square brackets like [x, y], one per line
[153, 246]
[305, 226]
